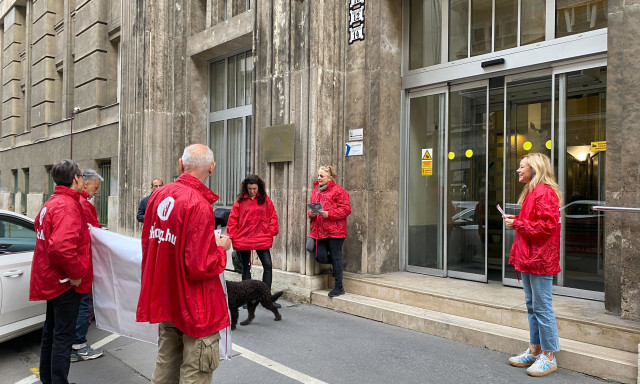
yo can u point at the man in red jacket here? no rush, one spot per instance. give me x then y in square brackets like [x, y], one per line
[80, 350]
[60, 271]
[182, 259]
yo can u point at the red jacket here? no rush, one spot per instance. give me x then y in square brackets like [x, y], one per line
[62, 247]
[181, 261]
[252, 225]
[334, 200]
[89, 210]
[536, 248]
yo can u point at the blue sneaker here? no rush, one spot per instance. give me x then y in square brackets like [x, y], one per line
[543, 366]
[524, 359]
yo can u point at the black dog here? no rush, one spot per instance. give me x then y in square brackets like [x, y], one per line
[250, 292]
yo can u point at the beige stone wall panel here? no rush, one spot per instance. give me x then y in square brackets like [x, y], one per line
[44, 47]
[42, 8]
[12, 53]
[11, 90]
[90, 13]
[43, 114]
[12, 72]
[44, 26]
[90, 95]
[42, 71]
[44, 91]
[14, 35]
[12, 108]
[90, 68]
[8, 142]
[92, 40]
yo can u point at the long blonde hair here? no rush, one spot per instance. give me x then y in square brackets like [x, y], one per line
[541, 166]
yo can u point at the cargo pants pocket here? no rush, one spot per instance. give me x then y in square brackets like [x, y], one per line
[209, 352]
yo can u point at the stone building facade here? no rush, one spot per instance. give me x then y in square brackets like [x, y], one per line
[467, 90]
[58, 56]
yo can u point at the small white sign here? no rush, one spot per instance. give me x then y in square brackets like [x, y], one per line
[353, 148]
[356, 134]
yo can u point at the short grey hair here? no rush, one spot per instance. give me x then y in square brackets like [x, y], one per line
[90, 175]
[196, 156]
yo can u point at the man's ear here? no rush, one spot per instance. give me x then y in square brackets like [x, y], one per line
[181, 166]
[213, 166]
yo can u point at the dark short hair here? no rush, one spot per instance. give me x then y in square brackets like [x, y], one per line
[64, 172]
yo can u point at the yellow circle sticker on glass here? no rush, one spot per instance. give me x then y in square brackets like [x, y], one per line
[548, 144]
[468, 153]
[526, 145]
[451, 155]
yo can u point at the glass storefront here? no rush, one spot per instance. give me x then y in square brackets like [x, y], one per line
[474, 129]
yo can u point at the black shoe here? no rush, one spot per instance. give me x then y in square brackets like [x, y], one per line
[336, 292]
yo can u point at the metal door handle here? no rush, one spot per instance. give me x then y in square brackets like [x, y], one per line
[13, 273]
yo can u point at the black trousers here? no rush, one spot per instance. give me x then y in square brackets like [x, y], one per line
[265, 258]
[333, 247]
[58, 335]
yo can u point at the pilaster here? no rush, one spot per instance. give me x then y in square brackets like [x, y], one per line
[12, 75]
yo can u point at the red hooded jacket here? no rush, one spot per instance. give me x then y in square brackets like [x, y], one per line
[181, 261]
[536, 248]
[62, 247]
[252, 225]
[334, 200]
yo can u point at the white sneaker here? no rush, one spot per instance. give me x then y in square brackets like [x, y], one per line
[524, 359]
[543, 366]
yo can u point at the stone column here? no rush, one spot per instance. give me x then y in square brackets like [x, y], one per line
[12, 98]
[45, 85]
[164, 98]
[622, 252]
[307, 75]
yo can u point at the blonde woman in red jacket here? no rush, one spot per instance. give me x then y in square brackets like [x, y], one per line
[252, 225]
[535, 253]
[329, 226]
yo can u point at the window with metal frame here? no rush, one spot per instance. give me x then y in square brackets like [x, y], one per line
[102, 203]
[230, 124]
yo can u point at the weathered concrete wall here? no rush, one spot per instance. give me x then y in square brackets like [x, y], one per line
[307, 74]
[164, 96]
[622, 252]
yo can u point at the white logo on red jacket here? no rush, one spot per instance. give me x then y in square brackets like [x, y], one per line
[44, 210]
[165, 208]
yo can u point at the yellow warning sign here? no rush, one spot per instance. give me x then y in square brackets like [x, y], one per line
[427, 163]
[598, 146]
[426, 154]
[427, 171]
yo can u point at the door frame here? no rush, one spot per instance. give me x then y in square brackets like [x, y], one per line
[453, 88]
[441, 89]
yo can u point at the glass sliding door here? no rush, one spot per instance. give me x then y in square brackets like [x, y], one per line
[425, 183]
[581, 126]
[466, 183]
[527, 129]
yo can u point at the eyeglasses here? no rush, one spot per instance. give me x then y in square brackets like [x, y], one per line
[81, 175]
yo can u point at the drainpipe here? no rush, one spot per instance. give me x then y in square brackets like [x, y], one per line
[73, 114]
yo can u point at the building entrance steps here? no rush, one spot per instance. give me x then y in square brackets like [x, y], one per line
[492, 316]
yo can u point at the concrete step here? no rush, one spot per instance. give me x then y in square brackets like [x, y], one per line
[604, 362]
[580, 320]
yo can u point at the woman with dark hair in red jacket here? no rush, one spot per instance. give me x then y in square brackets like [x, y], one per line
[329, 226]
[252, 224]
[535, 253]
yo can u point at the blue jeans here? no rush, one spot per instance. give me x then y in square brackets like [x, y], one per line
[543, 331]
[85, 314]
[57, 337]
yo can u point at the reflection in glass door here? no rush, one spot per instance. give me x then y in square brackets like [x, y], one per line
[581, 99]
[466, 183]
[527, 129]
[425, 185]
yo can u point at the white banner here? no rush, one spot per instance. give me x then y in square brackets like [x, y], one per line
[116, 288]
